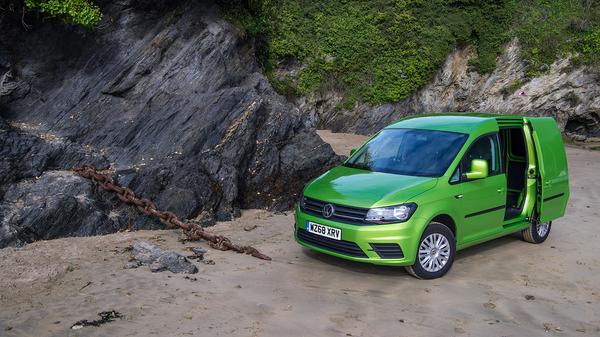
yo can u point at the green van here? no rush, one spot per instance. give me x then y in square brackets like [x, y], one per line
[425, 187]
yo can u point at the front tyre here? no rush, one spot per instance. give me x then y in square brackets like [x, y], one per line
[537, 232]
[436, 252]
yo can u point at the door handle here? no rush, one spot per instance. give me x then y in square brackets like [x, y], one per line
[459, 196]
[500, 190]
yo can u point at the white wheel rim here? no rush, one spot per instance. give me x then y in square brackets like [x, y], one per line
[434, 252]
[543, 228]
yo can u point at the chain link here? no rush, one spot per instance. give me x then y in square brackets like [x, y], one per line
[192, 231]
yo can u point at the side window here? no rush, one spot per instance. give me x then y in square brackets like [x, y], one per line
[455, 176]
[485, 148]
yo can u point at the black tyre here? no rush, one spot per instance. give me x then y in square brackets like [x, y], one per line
[537, 232]
[435, 253]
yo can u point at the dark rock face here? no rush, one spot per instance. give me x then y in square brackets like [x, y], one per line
[25, 155]
[55, 204]
[172, 101]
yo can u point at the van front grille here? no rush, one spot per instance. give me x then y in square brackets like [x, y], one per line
[345, 214]
[338, 246]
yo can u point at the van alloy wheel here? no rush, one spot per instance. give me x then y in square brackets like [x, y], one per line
[434, 252]
[543, 228]
[537, 232]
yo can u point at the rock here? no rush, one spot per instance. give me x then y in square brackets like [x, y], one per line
[570, 95]
[489, 305]
[205, 219]
[158, 259]
[55, 204]
[169, 96]
[132, 264]
[198, 253]
[25, 154]
[459, 329]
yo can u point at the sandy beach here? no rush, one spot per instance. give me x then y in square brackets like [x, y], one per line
[505, 287]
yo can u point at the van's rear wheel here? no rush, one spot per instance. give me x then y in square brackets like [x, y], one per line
[537, 232]
[435, 253]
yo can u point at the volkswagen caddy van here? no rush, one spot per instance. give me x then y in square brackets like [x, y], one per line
[425, 187]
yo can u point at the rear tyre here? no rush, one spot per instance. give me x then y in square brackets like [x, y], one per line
[435, 253]
[537, 232]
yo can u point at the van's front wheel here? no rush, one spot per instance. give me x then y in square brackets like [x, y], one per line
[537, 232]
[435, 254]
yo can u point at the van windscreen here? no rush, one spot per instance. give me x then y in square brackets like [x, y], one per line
[412, 152]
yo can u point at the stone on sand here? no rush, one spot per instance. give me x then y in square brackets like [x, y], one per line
[159, 259]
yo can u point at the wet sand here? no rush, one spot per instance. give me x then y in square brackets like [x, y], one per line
[506, 287]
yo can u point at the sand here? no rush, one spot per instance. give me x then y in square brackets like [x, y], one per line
[506, 287]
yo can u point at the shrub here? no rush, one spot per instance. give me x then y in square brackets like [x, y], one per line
[511, 88]
[80, 12]
[383, 50]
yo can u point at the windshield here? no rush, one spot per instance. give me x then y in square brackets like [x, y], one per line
[410, 152]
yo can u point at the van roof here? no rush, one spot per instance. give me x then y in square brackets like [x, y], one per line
[454, 122]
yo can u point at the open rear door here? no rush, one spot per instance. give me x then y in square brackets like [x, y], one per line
[552, 163]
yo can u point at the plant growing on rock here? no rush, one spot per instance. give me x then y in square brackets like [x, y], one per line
[511, 88]
[79, 12]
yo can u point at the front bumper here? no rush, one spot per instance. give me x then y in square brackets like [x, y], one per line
[405, 234]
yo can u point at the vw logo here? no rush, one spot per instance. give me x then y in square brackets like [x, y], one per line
[328, 210]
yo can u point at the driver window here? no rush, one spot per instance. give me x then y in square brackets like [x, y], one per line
[485, 148]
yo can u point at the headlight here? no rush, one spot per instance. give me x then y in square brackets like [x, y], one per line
[302, 202]
[399, 213]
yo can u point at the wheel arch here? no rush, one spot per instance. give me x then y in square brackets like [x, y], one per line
[446, 220]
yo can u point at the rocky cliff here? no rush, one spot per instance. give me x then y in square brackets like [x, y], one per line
[166, 96]
[570, 95]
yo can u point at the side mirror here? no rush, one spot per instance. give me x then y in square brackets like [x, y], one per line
[353, 151]
[479, 169]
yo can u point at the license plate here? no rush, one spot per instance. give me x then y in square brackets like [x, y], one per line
[322, 230]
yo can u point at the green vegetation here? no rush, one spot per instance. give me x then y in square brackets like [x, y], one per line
[550, 29]
[573, 99]
[78, 12]
[383, 50]
[511, 88]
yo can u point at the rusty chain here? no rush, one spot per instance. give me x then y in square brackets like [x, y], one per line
[192, 231]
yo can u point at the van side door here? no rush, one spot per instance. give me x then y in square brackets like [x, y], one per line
[553, 189]
[482, 202]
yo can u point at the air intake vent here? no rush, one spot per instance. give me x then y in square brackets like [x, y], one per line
[387, 250]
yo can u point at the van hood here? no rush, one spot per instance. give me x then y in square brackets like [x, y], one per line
[360, 188]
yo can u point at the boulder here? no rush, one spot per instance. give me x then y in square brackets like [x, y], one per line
[57, 204]
[159, 259]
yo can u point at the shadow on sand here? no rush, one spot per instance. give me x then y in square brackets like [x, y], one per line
[489, 248]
